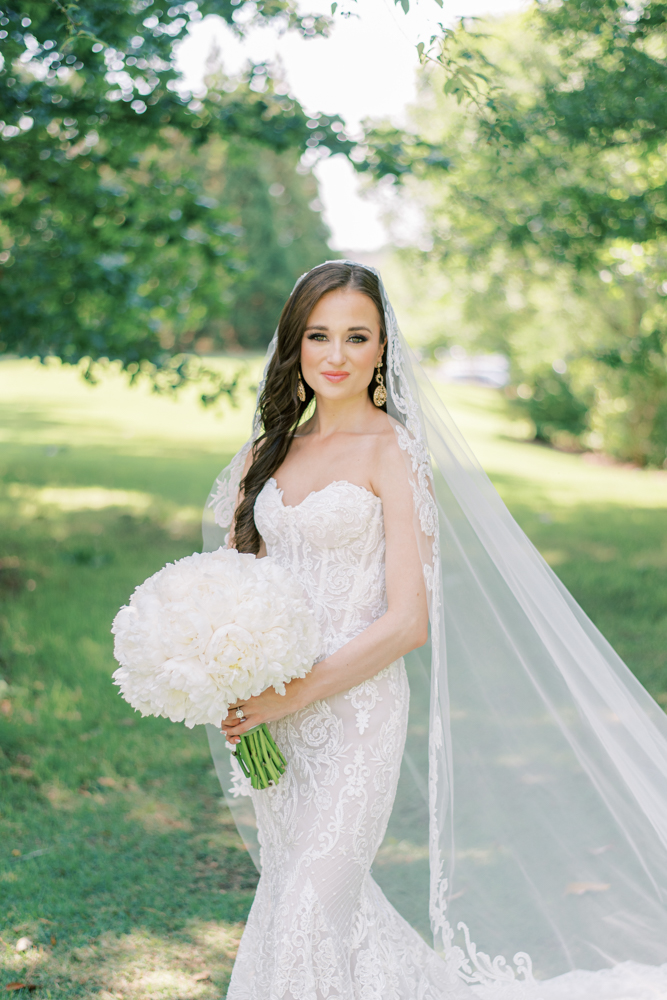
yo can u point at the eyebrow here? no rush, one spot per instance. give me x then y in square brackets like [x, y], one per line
[350, 329]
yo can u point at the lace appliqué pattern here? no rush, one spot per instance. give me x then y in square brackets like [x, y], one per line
[334, 542]
[364, 698]
[320, 927]
[226, 488]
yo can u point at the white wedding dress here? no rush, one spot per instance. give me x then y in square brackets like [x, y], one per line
[535, 757]
[320, 928]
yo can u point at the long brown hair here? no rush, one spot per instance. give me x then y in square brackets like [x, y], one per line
[279, 406]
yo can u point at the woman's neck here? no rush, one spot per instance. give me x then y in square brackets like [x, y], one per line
[349, 416]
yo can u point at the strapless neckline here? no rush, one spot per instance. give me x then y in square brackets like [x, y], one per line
[314, 493]
[333, 542]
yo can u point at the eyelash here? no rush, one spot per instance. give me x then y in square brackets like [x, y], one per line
[355, 338]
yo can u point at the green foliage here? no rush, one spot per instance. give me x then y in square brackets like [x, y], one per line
[552, 406]
[631, 414]
[394, 153]
[102, 204]
[555, 202]
[281, 236]
[584, 104]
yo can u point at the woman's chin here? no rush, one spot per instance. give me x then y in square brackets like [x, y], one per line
[338, 392]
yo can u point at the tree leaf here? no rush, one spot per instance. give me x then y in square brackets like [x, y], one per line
[110, 214]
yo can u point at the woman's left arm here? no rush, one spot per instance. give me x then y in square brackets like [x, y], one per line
[403, 627]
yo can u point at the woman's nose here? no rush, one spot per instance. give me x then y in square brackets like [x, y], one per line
[336, 353]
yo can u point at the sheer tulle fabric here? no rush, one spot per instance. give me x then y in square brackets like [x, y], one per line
[534, 757]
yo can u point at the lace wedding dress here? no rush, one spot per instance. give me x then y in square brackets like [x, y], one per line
[320, 928]
[535, 772]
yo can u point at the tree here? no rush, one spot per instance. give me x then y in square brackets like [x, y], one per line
[582, 97]
[281, 237]
[550, 179]
[102, 207]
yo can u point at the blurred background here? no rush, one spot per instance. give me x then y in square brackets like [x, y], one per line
[167, 172]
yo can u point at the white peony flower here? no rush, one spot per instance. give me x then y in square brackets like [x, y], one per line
[210, 630]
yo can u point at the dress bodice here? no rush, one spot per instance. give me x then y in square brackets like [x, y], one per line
[333, 541]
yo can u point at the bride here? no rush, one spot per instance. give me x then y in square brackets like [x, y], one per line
[532, 767]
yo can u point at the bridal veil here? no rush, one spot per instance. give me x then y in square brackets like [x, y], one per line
[529, 833]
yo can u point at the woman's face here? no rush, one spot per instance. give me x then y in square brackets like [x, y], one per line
[341, 345]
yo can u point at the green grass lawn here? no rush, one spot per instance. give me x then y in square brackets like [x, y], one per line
[117, 858]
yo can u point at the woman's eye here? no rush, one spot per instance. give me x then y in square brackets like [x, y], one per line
[358, 338]
[317, 336]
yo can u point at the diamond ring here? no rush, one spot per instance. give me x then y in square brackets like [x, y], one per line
[239, 714]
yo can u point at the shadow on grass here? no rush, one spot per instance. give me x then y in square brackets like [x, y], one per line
[117, 858]
[613, 561]
[100, 863]
[178, 476]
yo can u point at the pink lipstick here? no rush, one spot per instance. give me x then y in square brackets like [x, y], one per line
[336, 376]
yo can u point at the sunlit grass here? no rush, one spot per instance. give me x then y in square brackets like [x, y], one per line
[539, 472]
[603, 528]
[52, 405]
[140, 965]
[113, 839]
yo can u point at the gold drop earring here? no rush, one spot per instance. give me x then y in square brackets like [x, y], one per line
[380, 394]
[300, 389]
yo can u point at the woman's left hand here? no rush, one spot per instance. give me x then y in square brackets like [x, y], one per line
[266, 707]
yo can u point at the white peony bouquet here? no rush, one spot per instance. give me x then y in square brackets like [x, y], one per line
[211, 630]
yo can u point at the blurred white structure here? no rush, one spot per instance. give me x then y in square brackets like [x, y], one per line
[491, 370]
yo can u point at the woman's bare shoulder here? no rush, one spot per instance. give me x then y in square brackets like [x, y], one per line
[389, 468]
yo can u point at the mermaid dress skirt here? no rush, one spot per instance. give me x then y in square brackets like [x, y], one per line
[320, 927]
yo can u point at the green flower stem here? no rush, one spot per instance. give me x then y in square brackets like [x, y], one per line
[259, 763]
[259, 757]
[271, 747]
[273, 750]
[255, 778]
[252, 754]
[243, 758]
[271, 770]
[242, 765]
[277, 757]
